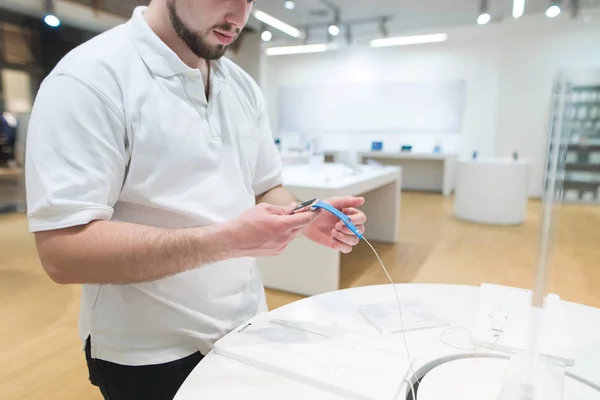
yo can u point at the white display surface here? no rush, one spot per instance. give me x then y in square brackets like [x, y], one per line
[421, 171]
[493, 191]
[334, 360]
[308, 268]
[481, 379]
[502, 322]
[218, 377]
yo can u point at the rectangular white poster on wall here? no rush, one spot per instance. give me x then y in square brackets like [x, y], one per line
[403, 107]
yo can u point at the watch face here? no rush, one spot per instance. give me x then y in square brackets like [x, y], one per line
[305, 205]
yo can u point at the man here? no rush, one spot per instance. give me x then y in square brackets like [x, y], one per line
[153, 180]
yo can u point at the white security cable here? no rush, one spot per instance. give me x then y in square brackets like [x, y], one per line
[412, 389]
[316, 204]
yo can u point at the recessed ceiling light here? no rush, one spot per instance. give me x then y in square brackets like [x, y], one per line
[289, 4]
[266, 36]
[334, 30]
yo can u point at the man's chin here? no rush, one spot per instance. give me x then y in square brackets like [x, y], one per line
[210, 53]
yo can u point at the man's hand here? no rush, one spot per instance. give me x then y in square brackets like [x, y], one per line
[329, 231]
[266, 230]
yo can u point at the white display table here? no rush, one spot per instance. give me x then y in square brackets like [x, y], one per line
[420, 171]
[307, 268]
[218, 377]
[491, 191]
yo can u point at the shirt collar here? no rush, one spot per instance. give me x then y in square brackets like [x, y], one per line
[159, 57]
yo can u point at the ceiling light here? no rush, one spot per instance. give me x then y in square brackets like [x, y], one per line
[553, 11]
[277, 24]
[289, 4]
[52, 20]
[334, 30]
[484, 13]
[484, 19]
[309, 48]
[518, 8]
[406, 40]
[383, 27]
[266, 36]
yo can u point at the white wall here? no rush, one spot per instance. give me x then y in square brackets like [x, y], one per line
[17, 91]
[509, 69]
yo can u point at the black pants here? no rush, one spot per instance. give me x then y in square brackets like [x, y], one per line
[147, 382]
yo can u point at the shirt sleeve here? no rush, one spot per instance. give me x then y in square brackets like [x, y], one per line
[269, 164]
[76, 155]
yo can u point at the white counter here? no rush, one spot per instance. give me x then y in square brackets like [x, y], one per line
[420, 171]
[220, 377]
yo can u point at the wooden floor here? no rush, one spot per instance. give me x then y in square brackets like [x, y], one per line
[40, 357]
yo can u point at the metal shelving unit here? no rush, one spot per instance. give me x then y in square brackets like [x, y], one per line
[575, 129]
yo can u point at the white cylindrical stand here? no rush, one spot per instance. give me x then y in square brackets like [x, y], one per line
[482, 379]
[492, 191]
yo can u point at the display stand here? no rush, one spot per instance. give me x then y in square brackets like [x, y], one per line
[576, 112]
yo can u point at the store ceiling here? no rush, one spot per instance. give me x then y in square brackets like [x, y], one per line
[406, 15]
[121, 8]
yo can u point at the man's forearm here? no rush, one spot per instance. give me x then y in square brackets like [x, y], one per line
[278, 196]
[122, 253]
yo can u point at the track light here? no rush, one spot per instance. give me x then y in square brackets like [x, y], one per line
[348, 34]
[383, 27]
[334, 28]
[50, 19]
[518, 8]
[484, 15]
[289, 4]
[484, 19]
[575, 8]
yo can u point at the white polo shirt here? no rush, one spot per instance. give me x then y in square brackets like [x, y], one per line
[121, 130]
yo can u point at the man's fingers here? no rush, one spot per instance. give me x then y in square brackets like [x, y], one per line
[300, 220]
[341, 246]
[287, 210]
[341, 227]
[350, 240]
[356, 216]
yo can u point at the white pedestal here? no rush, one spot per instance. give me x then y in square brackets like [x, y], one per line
[307, 268]
[492, 191]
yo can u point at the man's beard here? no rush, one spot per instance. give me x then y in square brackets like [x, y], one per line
[194, 39]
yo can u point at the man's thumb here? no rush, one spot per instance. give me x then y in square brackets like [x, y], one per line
[287, 210]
